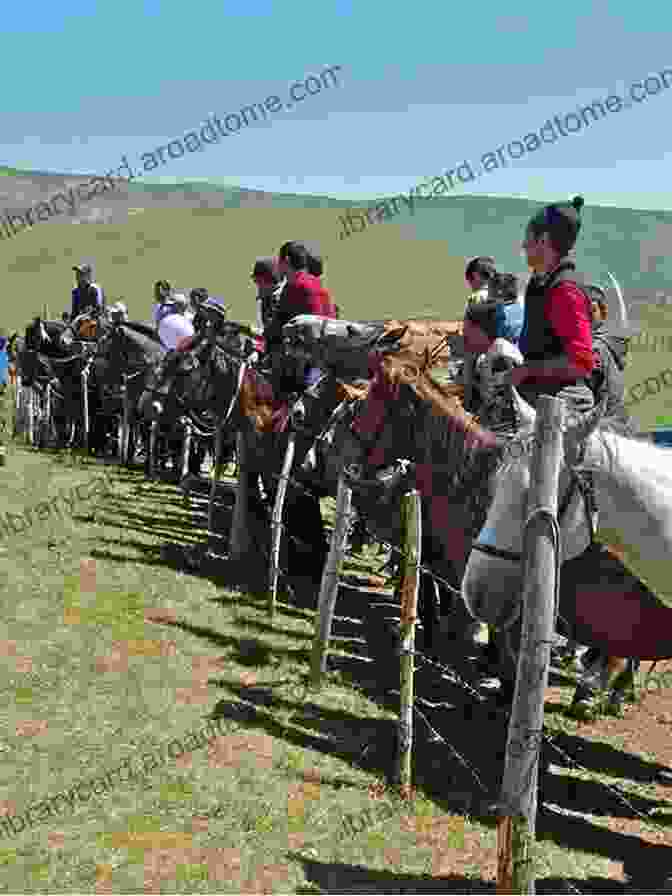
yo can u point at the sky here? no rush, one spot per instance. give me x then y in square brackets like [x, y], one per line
[422, 87]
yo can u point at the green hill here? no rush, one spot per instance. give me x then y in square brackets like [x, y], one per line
[209, 234]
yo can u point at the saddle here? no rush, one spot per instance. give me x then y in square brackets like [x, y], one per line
[87, 329]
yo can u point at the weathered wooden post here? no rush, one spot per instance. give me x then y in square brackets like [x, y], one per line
[216, 474]
[125, 423]
[516, 827]
[186, 450]
[240, 542]
[86, 423]
[276, 522]
[411, 540]
[329, 584]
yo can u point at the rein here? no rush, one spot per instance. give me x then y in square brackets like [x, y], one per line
[576, 483]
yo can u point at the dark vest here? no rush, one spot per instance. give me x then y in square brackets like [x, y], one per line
[541, 340]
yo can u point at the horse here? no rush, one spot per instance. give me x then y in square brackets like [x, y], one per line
[341, 349]
[199, 385]
[457, 467]
[56, 370]
[614, 583]
[126, 355]
[261, 420]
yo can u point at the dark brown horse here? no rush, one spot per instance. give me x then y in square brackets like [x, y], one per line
[408, 415]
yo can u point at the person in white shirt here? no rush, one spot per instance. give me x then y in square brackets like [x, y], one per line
[174, 326]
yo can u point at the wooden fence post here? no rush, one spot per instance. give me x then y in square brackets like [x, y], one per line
[240, 539]
[329, 584]
[277, 524]
[516, 827]
[411, 540]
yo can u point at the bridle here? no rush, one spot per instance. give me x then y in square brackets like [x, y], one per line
[576, 483]
[212, 346]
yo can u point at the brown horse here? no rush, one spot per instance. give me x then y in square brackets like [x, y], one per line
[408, 415]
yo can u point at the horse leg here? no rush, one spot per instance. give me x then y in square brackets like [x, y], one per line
[308, 547]
[608, 683]
[428, 610]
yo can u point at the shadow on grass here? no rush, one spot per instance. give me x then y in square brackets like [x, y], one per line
[349, 880]
[458, 765]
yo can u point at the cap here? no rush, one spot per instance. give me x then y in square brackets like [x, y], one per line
[118, 308]
[265, 267]
[213, 303]
[83, 268]
[562, 220]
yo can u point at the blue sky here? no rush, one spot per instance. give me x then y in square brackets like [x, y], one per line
[423, 86]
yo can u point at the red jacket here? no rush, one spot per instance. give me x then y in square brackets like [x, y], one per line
[306, 295]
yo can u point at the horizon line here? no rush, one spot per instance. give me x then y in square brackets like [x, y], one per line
[11, 171]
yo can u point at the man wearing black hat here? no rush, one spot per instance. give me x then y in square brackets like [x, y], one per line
[86, 296]
[556, 341]
[270, 285]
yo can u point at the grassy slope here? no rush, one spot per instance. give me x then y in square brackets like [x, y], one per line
[379, 273]
[93, 678]
[195, 234]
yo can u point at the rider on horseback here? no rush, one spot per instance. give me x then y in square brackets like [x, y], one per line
[556, 341]
[195, 313]
[493, 312]
[270, 284]
[478, 274]
[303, 294]
[86, 296]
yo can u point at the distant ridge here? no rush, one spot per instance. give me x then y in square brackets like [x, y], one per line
[200, 184]
[631, 243]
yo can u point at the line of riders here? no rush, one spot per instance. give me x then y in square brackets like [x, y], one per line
[555, 342]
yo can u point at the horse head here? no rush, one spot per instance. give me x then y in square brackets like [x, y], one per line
[494, 575]
[204, 378]
[340, 346]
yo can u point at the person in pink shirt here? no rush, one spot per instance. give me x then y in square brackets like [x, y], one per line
[556, 341]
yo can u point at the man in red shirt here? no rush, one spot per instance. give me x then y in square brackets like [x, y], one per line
[303, 294]
[556, 341]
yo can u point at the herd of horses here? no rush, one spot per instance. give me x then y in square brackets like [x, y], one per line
[381, 415]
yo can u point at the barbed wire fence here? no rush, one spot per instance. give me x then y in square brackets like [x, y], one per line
[423, 707]
[475, 694]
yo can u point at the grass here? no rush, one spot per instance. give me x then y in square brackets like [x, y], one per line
[112, 648]
[111, 660]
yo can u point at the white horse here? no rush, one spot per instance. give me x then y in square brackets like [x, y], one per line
[633, 484]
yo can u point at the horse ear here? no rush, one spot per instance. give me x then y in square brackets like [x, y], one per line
[525, 411]
[390, 341]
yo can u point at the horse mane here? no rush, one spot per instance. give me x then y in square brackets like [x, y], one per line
[144, 337]
[445, 400]
[142, 328]
[256, 401]
[455, 455]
